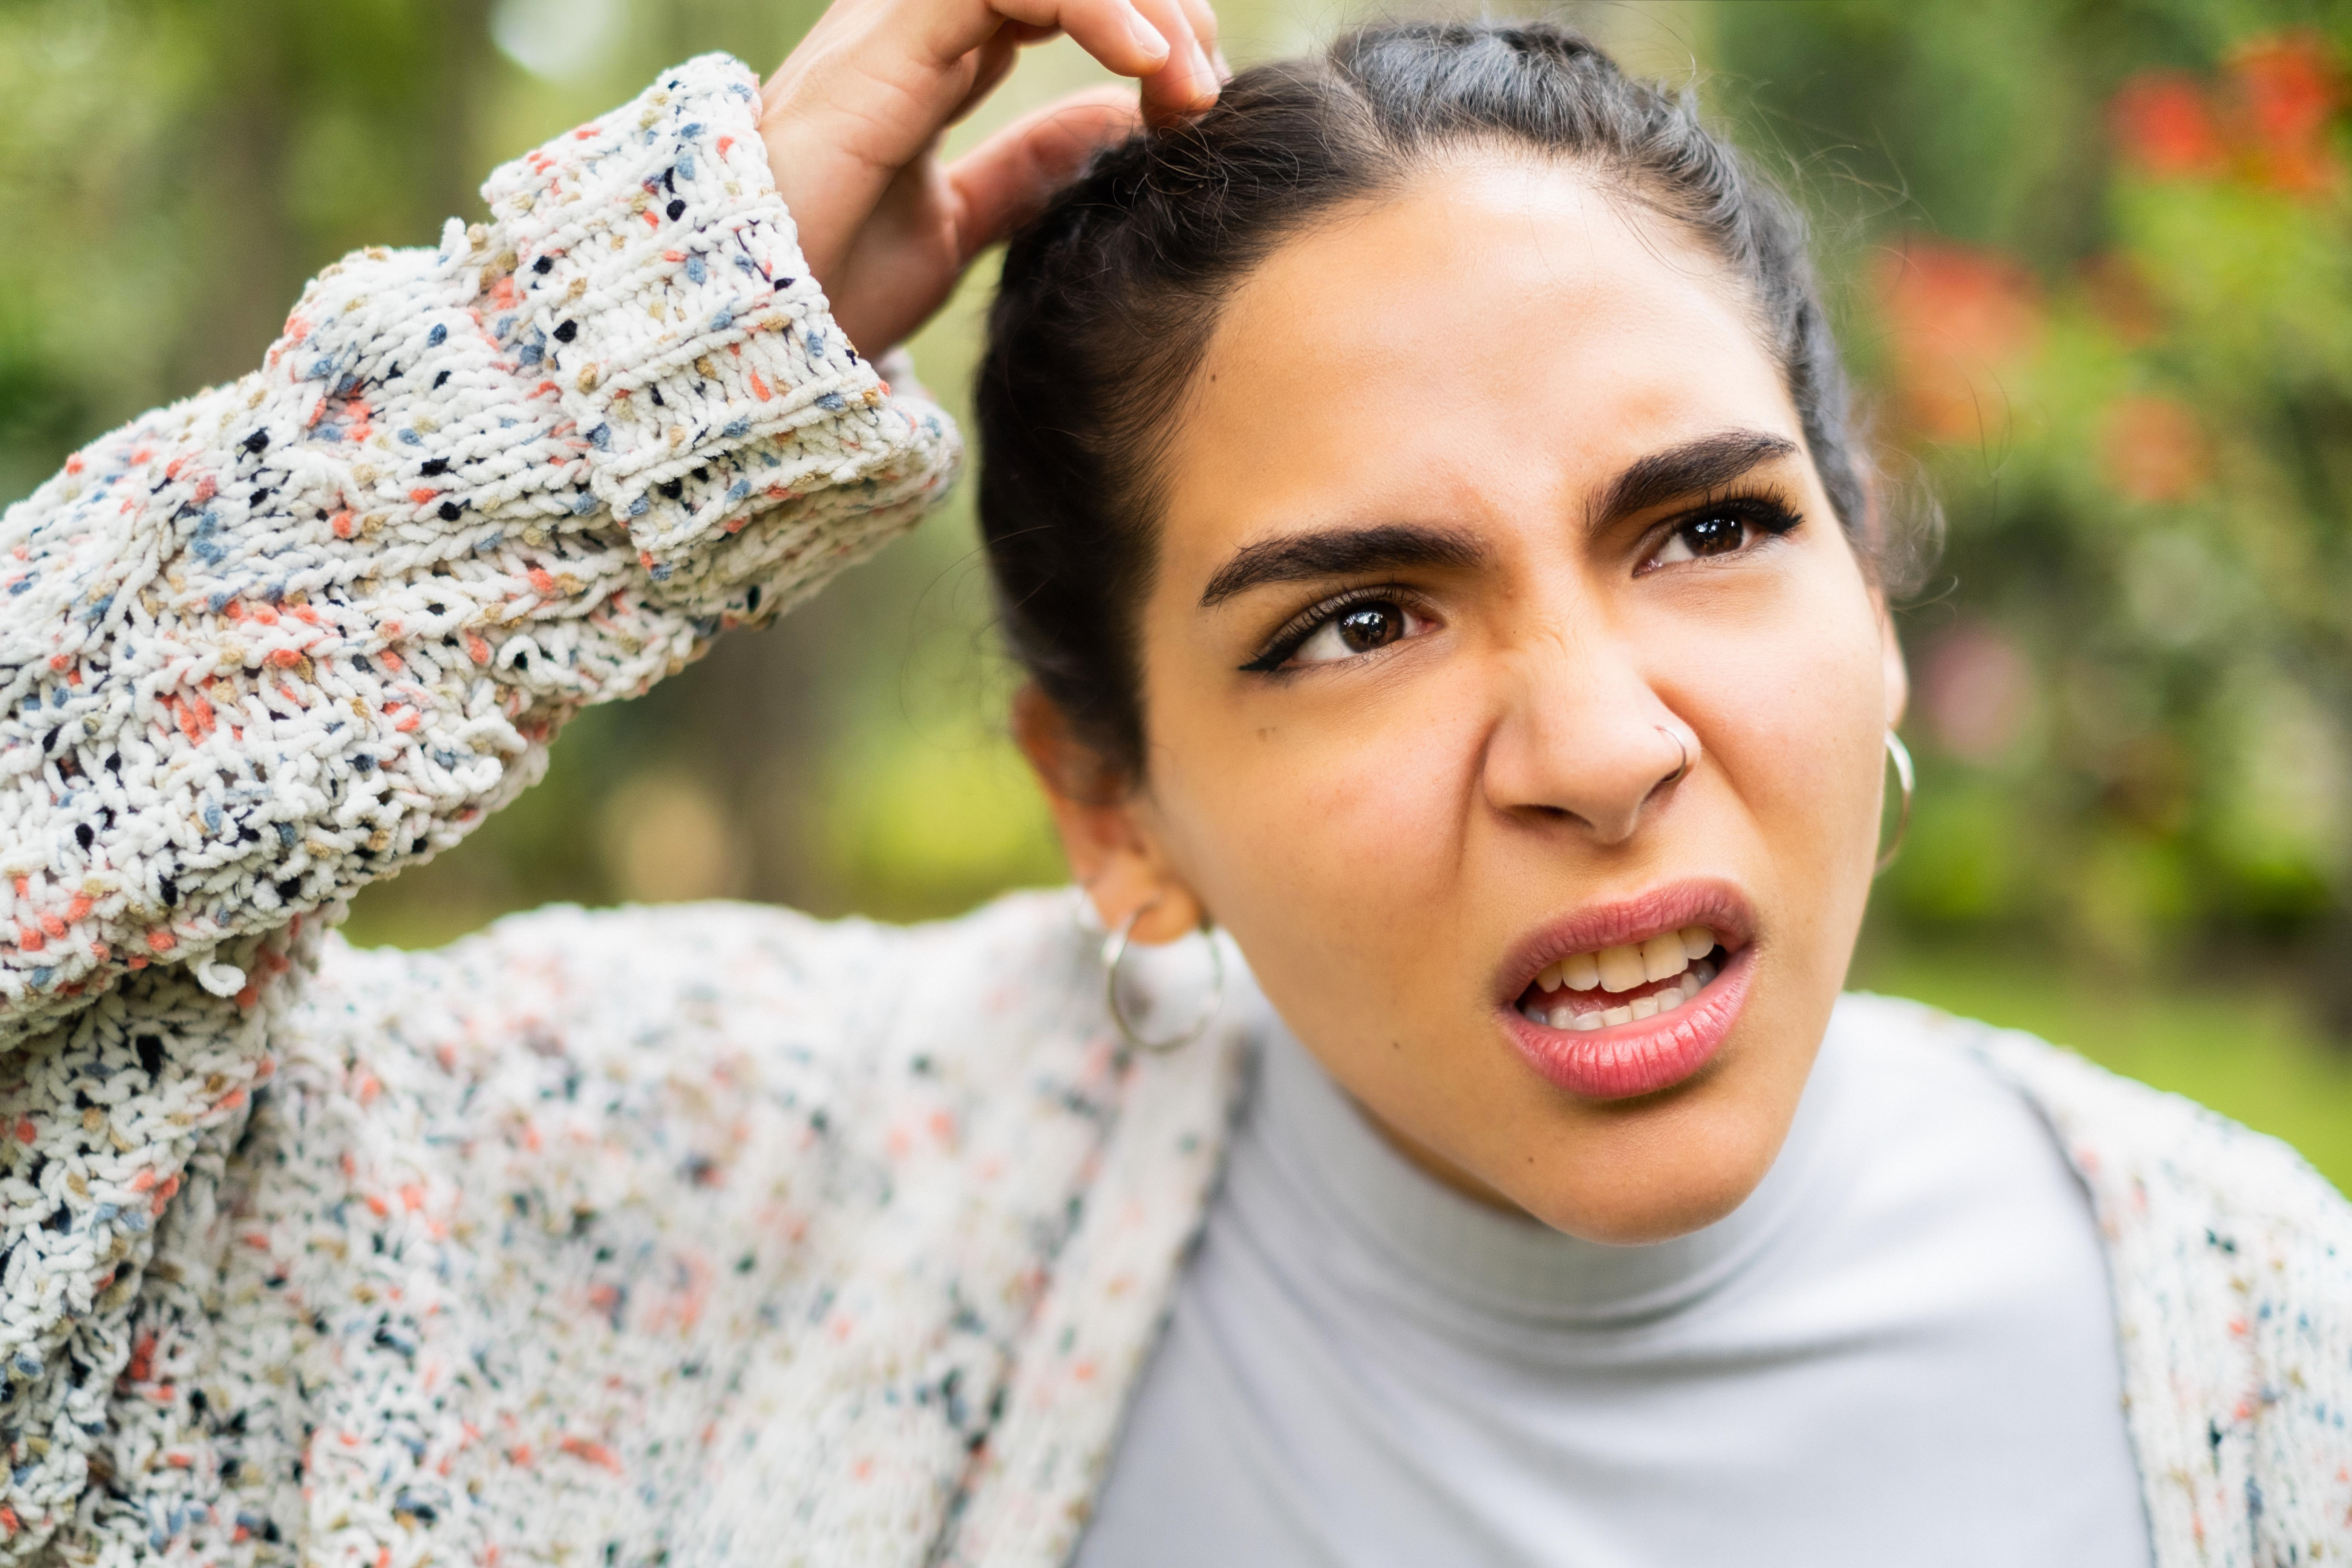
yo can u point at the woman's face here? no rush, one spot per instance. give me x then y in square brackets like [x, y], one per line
[1500, 633]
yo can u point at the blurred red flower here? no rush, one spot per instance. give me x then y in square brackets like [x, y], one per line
[2284, 90]
[2154, 449]
[1955, 314]
[2165, 124]
[2287, 91]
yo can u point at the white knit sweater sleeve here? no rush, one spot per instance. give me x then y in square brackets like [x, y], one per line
[2231, 1263]
[297, 632]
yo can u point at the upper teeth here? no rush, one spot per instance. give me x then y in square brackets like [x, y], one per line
[1623, 967]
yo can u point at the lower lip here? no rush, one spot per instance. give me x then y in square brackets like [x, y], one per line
[1644, 1056]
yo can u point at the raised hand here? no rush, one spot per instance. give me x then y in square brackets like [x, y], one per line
[853, 122]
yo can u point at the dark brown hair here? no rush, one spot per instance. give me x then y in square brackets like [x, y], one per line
[1109, 297]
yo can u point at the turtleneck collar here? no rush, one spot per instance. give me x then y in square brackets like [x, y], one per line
[1396, 1231]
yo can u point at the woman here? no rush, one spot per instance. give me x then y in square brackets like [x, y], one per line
[1420, 487]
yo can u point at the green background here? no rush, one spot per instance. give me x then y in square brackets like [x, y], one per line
[2091, 266]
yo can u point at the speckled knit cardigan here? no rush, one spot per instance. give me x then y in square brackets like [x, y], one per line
[700, 1236]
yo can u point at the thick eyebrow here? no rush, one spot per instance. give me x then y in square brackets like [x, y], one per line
[1694, 467]
[1340, 552]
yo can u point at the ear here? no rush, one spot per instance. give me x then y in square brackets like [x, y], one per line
[1898, 674]
[1098, 814]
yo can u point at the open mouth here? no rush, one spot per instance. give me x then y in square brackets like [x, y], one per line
[1632, 997]
[1625, 983]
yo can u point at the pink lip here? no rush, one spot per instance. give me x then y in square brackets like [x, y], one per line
[1648, 1054]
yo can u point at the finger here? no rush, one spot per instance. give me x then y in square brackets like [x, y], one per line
[1003, 182]
[1188, 83]
[872, 86]
[996, 60]
[1113, 31]
[1204, 18]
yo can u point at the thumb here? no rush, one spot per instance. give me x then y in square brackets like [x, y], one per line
[1007, 179]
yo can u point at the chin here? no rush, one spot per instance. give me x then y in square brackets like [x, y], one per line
[1645, 1179]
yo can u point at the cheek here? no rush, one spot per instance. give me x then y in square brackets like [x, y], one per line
[1794, 708]
[1312, 836]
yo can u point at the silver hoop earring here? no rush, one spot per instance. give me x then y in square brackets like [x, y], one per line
[1900, 755]
[1114, 949]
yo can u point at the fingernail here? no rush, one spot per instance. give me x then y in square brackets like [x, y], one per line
[1225, 72]
[1146, 37]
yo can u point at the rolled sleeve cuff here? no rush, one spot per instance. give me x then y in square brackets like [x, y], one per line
[661, 276]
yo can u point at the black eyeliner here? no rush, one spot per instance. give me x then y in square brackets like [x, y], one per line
[1765, 511]
[1292, 635]
[1762, 511]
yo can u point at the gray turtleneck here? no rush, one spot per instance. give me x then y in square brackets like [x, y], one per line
[1900, 1350]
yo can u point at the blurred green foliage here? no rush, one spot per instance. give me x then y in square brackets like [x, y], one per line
[2091, 261]
[2110, 321]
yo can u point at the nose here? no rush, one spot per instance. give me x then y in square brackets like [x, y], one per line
[1584, 737]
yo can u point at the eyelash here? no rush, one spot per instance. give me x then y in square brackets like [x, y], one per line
[1296, 631]
[1765, 512]
[1768, 514]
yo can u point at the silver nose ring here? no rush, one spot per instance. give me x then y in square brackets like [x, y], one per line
[1681, 756]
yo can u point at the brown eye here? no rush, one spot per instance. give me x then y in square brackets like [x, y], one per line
[1374, 626]
[1356, 629]
[1714, 534]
